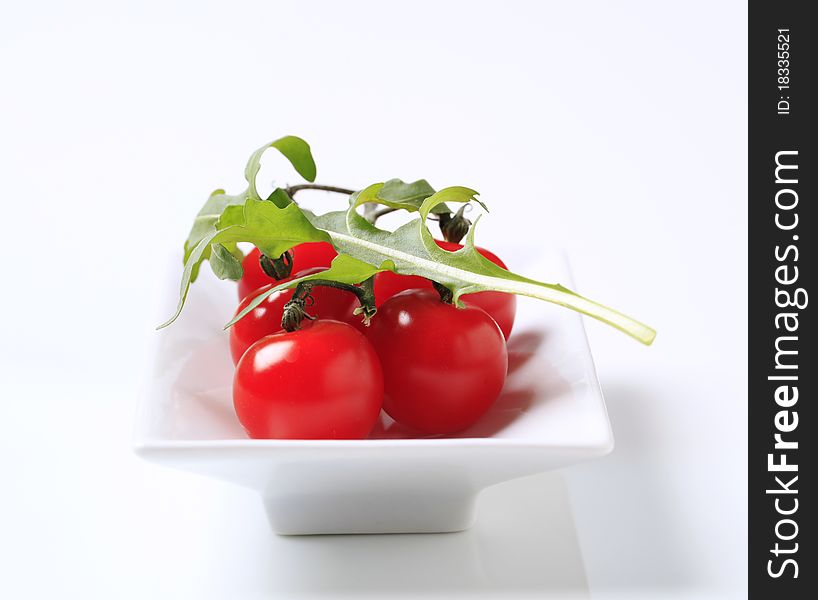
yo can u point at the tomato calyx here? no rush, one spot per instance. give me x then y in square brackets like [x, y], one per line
[454, 227]
[446, 295]
[277, 268]
[295, 311]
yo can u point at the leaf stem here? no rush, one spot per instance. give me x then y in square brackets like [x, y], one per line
[373, 215]
[317, 186]
[475, 281]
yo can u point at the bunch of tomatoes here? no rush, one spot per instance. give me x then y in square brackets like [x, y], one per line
[432, 367]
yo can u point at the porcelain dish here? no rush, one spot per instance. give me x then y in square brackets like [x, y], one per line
[551, 414]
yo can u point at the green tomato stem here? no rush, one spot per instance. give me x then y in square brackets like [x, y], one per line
[295, 309]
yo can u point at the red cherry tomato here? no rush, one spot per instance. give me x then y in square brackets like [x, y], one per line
[443, 366]
[305, 256]
[500, 306]
[327, 303]
[323, 382]
[387, 284]
[262, 320]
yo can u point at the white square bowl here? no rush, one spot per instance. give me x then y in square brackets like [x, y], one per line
[550, 414]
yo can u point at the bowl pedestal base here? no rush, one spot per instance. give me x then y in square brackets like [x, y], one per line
[370, 513]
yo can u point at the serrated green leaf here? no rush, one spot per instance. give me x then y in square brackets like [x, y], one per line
[205, 221]
[294, 149]
[271, 229]
[408, 196]
[280, 198]
[208, 215]
[344, 269]
[278, 224]
[412, 250]
[224, 264]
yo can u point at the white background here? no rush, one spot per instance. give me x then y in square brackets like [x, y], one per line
[616, 131]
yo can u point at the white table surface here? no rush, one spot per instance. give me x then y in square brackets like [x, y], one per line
[618, 130]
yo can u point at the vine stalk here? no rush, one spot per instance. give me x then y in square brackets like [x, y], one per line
[295, 310]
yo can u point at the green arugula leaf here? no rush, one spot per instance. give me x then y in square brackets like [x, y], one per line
[280, 198]
[224, 263]
[271, 229]
[296, 150]
[344, 269]
[205, 221]
[277, 224]
[411, 250]
[408, 196]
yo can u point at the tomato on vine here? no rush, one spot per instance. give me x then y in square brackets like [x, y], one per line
[443, 366]
[321, 382]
